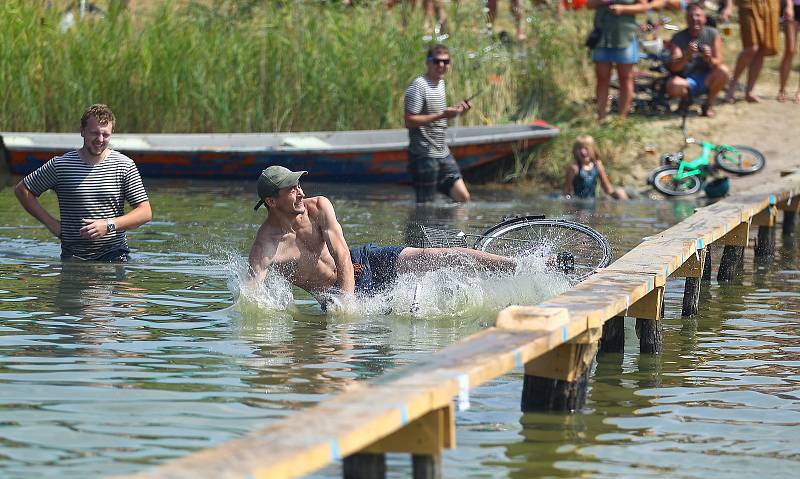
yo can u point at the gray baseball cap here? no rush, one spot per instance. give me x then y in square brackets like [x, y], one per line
[274, 178]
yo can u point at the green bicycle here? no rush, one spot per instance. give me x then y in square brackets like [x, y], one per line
[678, 177]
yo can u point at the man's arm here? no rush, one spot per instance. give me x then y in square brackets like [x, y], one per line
[677, 60]
[334, 239]
[415, 121]
[30, 202]
[137, 216]
[259, 261]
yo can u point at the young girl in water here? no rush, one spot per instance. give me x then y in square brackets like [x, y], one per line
[582, 175]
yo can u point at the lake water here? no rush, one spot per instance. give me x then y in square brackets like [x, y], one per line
[110, 369]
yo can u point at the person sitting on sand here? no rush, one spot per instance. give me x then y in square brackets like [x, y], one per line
[696, 60]
[581, 175]
[302, 240]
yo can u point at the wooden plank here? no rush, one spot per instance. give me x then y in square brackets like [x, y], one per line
[692, 267]
[790, 204]
[737, 236]
[604, 295]
[568, 361]
[648, 307]
[765, 217]
[428, 435]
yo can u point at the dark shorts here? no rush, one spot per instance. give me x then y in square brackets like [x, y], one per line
[113, 256]
[429, 175]
[374, 266]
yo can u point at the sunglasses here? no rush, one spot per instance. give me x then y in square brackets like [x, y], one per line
[436, 61]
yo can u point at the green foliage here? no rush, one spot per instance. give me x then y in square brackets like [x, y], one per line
[282, 66]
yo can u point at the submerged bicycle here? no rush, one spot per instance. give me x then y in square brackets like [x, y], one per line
[572, 248]
[679, 177]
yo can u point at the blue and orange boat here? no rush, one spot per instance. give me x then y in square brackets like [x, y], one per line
[368, 156]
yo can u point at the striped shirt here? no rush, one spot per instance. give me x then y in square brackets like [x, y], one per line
[424, 97]
[91, 192]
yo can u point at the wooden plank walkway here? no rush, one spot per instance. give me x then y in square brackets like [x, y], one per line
[412, 409]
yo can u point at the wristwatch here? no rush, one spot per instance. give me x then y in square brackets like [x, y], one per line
[111, 226]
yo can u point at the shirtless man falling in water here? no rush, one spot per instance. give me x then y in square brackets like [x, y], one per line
[302, 240]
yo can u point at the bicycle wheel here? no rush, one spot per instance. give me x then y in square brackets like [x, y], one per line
[742, 160]
[572, 248]
[664, 181]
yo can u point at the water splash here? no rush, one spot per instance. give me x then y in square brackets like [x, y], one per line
[443, 293]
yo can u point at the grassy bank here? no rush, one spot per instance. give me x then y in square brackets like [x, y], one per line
[259, 66]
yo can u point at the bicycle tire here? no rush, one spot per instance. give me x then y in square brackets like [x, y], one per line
[664, 182]
[651, 178]
[552, 238]
[748, 161]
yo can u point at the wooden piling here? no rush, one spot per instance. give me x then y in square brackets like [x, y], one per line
[548, 394]
[647, 312]
[426, 466]
[788, 223]
[765, 242]
[692, 269]
[707, 265]
[558, 380]
[364, 466]
[613, 339]
[728, 263]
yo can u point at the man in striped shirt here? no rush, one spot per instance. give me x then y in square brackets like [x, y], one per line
[92, 185]
[431, 165]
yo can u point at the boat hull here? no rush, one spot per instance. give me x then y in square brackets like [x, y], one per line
[382, 161]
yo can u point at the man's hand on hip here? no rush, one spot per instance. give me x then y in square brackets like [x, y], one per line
[93, 229]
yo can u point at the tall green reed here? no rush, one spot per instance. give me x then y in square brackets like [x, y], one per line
[280, 66]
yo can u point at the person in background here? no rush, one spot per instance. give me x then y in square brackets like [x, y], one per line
[580, 179]
[92, 184]
[790, 10]
[516, 12]
[696, 60]
[618, 46]
[431, 165]
[758, 24]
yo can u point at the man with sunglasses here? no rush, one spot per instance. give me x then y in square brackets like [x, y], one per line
[431, 165]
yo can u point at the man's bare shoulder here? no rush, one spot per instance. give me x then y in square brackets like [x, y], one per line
[318, 207]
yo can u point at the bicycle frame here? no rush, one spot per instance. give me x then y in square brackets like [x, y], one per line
[698, 166]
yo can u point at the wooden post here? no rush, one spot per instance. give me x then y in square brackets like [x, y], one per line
[613, 339]
[424, 438]
[765, 244]
[364, 466]
[765, 220]
[547, 394]
[788, 222]
[790, 208]
[728, 263]
[647, 312]
[707, 265]
[651, 336]
[558, 380]
[426, 466]
[735, 242]
[692, 269]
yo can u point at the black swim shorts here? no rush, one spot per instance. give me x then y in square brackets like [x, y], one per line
[374, 266]
[429, 175]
